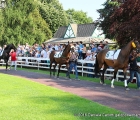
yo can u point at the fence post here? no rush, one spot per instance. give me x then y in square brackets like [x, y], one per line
[82, 68]
[38, 64]
[117, 78]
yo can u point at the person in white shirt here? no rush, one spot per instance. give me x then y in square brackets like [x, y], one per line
[56, 47]
[90, 57]
[76, 47]
[43, 55]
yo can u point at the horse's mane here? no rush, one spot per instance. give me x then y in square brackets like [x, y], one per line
[66, 47]
[7, 47]
[124, 46]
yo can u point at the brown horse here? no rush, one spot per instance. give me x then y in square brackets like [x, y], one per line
[121, 62]
[64, 59]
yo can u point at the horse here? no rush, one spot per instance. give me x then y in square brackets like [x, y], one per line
[63, 59]
[5, 55]
[121, 62]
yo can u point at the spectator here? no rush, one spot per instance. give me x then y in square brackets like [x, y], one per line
[32, 52]
[43, 46]
[99, 49]
[22, 51]
[2, 49]
[89, 50]
[101, 45]
[80, 49]
[94, 48]
[90, 57]
[43, 55]
[84, 51]
[56, 47]
[106, 46]
[38, 54]
[77, 47]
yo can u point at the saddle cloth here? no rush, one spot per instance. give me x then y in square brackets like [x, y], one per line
[58, 54]
[112, 55]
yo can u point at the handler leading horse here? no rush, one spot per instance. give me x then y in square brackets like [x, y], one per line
[120, 63]
[5, 55]
[63, 59]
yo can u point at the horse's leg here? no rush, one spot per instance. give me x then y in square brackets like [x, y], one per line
[58, 71]
[112, 81]
[6, 62]
[6, 65]
[50, 69]
[54, 70]
[125, 80]
[103, 72]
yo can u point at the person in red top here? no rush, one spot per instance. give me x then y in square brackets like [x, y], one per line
[13, 59]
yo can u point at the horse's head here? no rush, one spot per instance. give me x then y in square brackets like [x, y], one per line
[9, 47]
[13, 47]
[66, 51]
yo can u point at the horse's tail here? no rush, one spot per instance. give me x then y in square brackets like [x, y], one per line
[96, 66]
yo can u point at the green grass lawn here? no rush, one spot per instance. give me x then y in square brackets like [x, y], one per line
[21, 99]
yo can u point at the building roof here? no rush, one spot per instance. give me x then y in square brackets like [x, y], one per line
[81, 30]
[76, 33]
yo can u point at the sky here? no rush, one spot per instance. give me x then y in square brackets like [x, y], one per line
[88, 6]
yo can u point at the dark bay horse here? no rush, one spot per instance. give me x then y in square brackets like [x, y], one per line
[5, 55]
[121, 62]
[64, 59]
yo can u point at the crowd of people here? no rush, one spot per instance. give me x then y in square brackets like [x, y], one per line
[44, 50]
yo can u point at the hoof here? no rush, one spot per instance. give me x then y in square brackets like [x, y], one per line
[127, 89]
[57, 77]
[112, 86]
[104, 84]
[101, 82]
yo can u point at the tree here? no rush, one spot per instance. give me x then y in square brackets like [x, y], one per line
[105, 13]
[23, 23]
[53, 13]
[78, 17]
[125, 24]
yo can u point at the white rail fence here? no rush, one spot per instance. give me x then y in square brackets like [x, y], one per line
[82, 66]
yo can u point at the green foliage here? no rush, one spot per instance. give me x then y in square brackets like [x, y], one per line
[23, 23]
[78, 17]
[52, 12]
[104, 21]
[32, 21]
